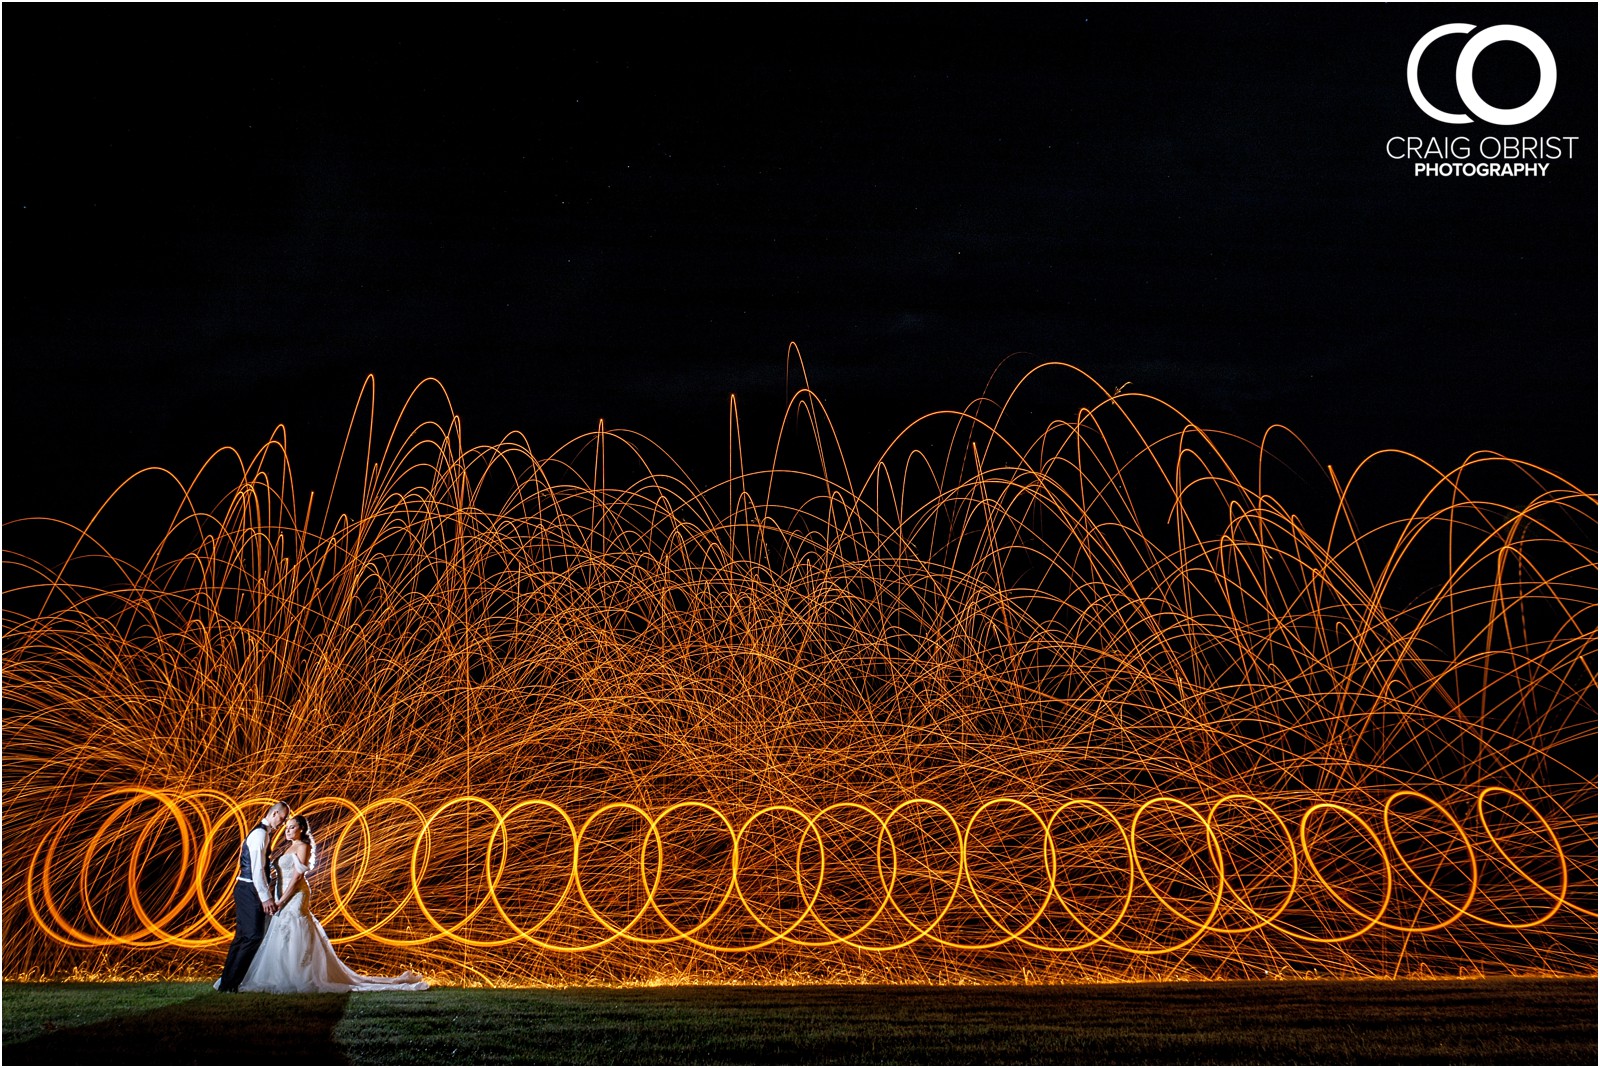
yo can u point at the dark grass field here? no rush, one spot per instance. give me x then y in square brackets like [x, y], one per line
[1496, 1021]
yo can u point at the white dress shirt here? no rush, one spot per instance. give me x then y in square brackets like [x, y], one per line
[256, 843]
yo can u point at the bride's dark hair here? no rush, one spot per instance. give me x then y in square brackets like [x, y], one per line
[311, 843]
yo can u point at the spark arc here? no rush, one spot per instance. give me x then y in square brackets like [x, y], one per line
[1092, 693]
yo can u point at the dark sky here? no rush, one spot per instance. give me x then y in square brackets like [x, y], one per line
[218, 220]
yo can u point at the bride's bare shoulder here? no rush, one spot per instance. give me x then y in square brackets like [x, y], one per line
[302, 852]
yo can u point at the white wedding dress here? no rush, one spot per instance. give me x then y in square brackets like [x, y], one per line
[296, 957]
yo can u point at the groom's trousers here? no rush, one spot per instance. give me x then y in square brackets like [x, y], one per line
[252, 927]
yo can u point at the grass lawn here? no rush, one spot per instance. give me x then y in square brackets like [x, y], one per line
[1499, 1021]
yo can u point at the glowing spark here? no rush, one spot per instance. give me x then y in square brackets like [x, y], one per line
[1097, 703]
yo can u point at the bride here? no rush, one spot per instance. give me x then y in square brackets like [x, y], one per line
[296, 956]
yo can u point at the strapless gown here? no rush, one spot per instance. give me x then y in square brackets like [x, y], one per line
[296, 957]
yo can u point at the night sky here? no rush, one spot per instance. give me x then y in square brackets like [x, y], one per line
[219, 220]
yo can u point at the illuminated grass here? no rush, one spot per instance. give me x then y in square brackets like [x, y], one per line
[34, 1009]
[1460, 1022]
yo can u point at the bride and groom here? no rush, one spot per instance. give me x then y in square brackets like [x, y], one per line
[279, 947]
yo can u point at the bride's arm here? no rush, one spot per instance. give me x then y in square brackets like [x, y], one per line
[300, 852]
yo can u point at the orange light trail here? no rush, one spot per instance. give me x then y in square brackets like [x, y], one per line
[1126, 698]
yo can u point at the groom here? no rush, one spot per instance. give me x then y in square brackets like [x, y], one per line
[252, 898]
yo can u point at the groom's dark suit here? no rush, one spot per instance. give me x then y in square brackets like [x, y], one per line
[251, 892]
